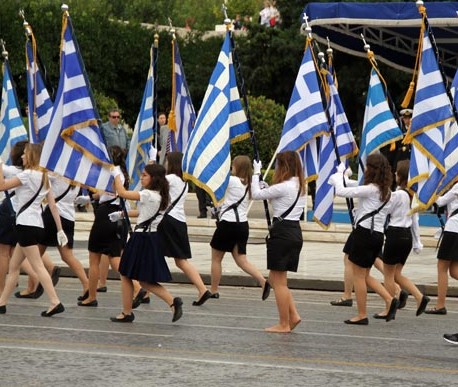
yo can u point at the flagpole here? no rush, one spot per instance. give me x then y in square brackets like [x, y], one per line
[156, 78]
[242, 92]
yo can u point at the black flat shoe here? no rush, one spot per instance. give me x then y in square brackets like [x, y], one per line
[92, 303]
[379, 316]
[38, 292]
[363, 321]
[392, 311]
[423, 303]
[146, 300]
[215, 295]
[266, 291]
[441, 311]
[102, 289]
[202, 299]
[177, 308]
[55, 275]
[403, 296]
[126, 318]
[3, 309]
[28, 295]
[342, 302]
[59, 308]
[138, 298]
[84, 296]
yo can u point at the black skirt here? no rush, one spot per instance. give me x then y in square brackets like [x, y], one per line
[398, 244]
[365, 247]
[29, 235]
[174, 238]
[284, 246]
[143, 259]
[448, 249]
[107, 237]
[230, 234]
[50, 236]
[7, 224]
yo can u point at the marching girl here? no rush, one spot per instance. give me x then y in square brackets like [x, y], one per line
[402, 233]
[366, 240]
[106, 237]
[173, 231]
[447, 257]
[231, 234]
[287, 197]
[32, 187]
[143, 259]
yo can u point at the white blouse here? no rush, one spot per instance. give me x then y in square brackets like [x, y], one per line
[450, 199]
[235, 191]
[176, 188]
[147, 206]
[31, 181]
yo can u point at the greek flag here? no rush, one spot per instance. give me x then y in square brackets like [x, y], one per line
[431, 112]
[346, 148]
[220, 122]
[12, 128]
[143, 134]
[183, 116]
[309, 157]
[379, 126]
[39, 101]
[74, 147]
[305, 117]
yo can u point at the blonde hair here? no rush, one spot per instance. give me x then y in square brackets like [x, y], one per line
[32, 154]
[243, 170]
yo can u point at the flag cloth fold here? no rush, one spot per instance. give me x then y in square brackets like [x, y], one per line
[182, 121]
[143, 134]
[379, 126]
[220, 122]
[305, 117]
[74, 147]
[39, 102]
[12, 128]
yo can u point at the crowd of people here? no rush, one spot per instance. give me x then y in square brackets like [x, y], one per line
[385, 231]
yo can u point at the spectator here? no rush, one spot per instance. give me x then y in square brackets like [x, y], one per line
[264, 15]
[237, 22]
[114, 132]
[164, 134]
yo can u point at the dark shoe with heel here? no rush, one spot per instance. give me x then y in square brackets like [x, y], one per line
[266, 291]
[59, 308]
[202, 300]
[177, 308]
[138, 298]
[126, 318]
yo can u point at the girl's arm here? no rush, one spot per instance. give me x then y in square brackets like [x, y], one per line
[8, 183]
[449, 197]
[62, 239]
[129, 195]
[271, 192]
[350, 192]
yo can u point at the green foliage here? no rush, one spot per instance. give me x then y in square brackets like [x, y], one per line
[267, 122]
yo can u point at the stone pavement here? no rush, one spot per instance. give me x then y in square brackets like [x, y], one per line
[320, 266]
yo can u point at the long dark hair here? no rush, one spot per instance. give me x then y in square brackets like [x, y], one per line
[118, 156]
[173, 163]
[158, 183]
[378, 172]
[16, 154]
[289, 165]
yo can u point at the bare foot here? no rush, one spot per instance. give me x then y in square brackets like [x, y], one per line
[294, 324]
[278, 329]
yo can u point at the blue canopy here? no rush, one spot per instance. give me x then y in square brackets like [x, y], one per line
[391, 29]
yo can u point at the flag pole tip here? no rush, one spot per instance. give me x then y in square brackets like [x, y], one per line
[305, 29]
[64, 7]
[419, 3]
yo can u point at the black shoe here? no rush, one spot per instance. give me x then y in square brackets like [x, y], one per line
[177, 308]
[38, 292]
[441, 311]
[3, 309]
[28, 295]
[202, 299]
[215, 295]
[423, 303]
[59, 308]
[342, 302]
[92, 303]
[102, 289]
[363, 321]
[452, 339]
[84, 296]
[55, 275]
[138, 298]
[127, 318]
[379, 316]
[403, 295]
[393, 308]
[266, 291]
[146, 300]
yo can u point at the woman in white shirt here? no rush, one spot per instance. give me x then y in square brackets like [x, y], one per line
[231, 234]
[142, 258]
[173, 230]
[447, 255]
[32, 187]
[366, 240]
[287, 197]
[402, 234]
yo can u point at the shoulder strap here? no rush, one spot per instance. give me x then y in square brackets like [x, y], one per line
[147, 223]
[454, 213]
[174, 203]
[234, 206]
[32, 199]
[62, 195]
[372, 213]
[287, 212]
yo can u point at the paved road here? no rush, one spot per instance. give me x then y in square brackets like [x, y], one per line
[221, 344]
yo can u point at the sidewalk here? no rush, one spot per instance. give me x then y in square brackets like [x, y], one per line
[320, 266]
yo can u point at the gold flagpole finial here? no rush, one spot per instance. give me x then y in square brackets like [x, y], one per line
[227, 21]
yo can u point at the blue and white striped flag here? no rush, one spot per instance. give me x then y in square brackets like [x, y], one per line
[12, 128]
[182, 121]
[346, 148]
[39, 101]
[305, 117]
[379, 126]
[220, 122]
[143, 134]
[309, 157]
[432, 110]
[74, 147]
